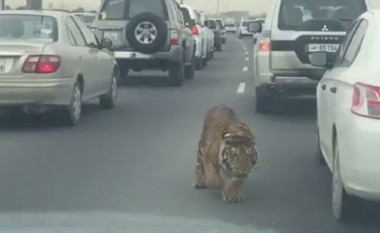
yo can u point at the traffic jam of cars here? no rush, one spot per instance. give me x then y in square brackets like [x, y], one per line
[56, 60]
[53, 60]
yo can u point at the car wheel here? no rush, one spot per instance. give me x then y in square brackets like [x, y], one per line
[190, 71]
[123, 71]
[344, 206]
[204, 62]
[72, 113]
[264, 103]
[108, 100]
[177, 73]
[318, 154]
[147, 33]
[198, 63]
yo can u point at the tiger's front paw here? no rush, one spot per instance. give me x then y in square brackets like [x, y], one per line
[233, 198]
[199, 184]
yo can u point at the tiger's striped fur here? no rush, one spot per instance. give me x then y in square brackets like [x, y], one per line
[226, 153]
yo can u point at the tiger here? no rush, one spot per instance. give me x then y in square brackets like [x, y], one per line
[226, 155]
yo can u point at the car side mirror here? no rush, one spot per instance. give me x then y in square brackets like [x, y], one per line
[322, 59]
[106, 44]
[255, 27]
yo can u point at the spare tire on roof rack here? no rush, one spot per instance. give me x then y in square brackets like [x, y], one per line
[147, 33]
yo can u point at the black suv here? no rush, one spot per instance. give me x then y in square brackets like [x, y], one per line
[148, 34]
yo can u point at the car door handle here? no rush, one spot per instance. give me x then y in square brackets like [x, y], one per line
[324, 87]
[333, 90]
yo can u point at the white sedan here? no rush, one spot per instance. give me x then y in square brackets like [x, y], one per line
[348, 102]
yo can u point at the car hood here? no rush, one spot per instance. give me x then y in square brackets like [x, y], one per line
[115, 222]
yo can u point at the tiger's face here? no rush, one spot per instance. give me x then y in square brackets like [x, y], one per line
[237, 156]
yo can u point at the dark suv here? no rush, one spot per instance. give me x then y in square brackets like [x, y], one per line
[148, 34]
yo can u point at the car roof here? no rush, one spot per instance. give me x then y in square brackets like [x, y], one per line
[52, 13]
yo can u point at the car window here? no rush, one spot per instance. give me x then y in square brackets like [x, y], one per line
[28, 27]
[245, 24]
[220, 23]
[156, 7]
[355, 44]
[187, 18]
[327, 15]
[79, 39]
[345, 43]
[212, 24]
[89, 36]
[178, 12]
[113, 10]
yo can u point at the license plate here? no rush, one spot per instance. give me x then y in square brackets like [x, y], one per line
[111, 35]
[330, 48]
[3, 65]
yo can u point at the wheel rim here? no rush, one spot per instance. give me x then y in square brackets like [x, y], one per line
[114, 89]
[77, 103]
[337, 187]
[146, 32]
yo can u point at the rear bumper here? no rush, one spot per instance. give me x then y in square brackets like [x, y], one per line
[174, 54]
[290, 87]
[39, 92]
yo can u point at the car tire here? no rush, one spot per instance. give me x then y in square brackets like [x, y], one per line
[319, 158]
[263, 103]
[190, 71]
[123, 71]
[137, 40]
[218, 47]
[198, 63]
[204, 62]
[177, 73]
[108, 100]
[345, 208]
[72, 113]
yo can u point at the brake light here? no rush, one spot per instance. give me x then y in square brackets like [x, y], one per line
[173, 37]
[366, 100]
[195, 30]
[43, 64]
[265, 45]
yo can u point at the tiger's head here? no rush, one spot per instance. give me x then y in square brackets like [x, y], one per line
[238, 154]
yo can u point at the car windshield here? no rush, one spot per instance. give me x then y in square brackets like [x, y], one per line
[28, 27]
[127, 9]
[312, 15]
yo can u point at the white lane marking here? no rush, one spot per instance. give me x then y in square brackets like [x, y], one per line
[247, 58]
[246, 53]
[245, 68]
[241, 88]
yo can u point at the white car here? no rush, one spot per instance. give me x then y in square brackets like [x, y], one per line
[199, 31]
[210, 36]
[222, 29]
[348, 102]
[231, 27]
[243, 29]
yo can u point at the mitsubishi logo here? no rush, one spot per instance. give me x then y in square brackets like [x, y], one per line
[325, 29]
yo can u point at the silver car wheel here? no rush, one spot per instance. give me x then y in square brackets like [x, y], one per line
[146, 32]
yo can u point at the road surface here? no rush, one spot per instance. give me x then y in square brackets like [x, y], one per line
[133, 166]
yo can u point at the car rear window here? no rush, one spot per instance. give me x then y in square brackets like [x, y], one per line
[127, 9]
[212, 24]
[319, 15]
[187, 17]
[28, 27]
[245, 24]
[220, 23]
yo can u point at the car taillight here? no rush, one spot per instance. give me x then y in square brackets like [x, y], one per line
[195, 30]
[366, 100]
[265, 44]
[43, 64]
[173, 37]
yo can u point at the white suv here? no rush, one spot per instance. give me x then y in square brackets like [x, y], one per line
[199, 31]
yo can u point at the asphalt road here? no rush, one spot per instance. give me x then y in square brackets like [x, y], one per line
[130, 169]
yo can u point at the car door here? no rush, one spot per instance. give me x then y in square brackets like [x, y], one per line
[100, 63]
[81, 56]
[334, 79]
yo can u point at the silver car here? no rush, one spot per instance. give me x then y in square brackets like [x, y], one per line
[51, 59]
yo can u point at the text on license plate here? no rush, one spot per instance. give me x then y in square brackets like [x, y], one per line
[111, 35]
[323, 48]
